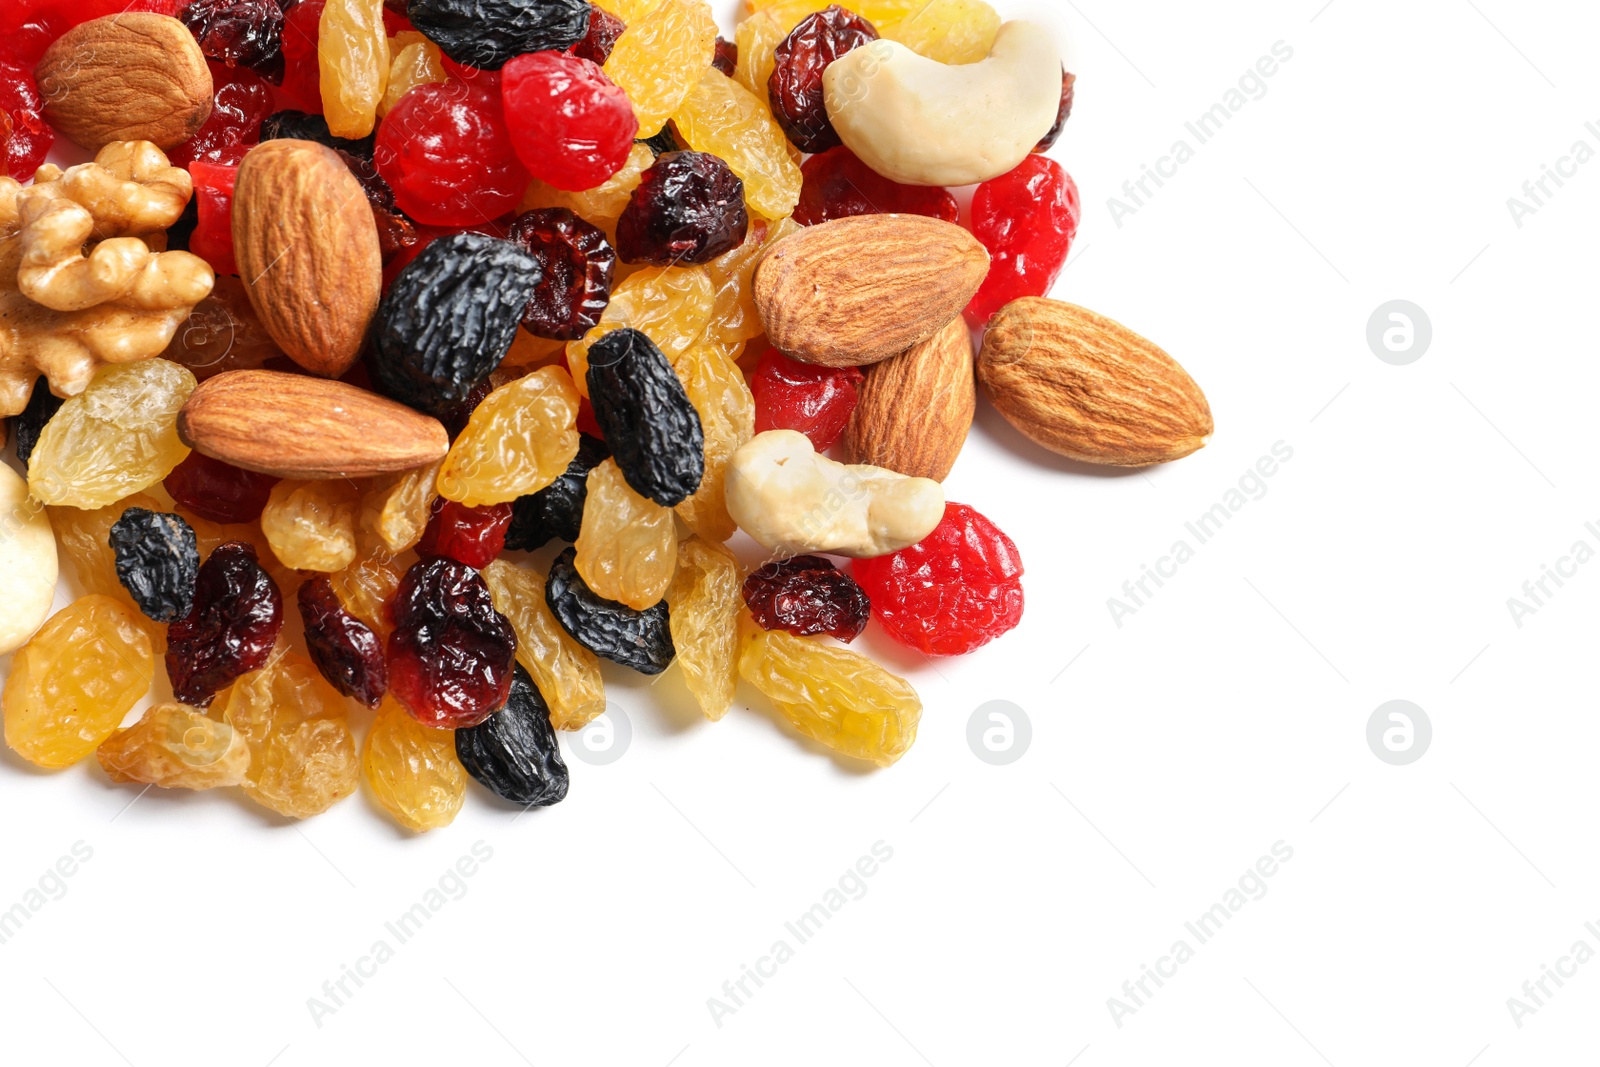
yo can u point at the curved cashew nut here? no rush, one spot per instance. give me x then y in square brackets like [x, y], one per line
[921, 122]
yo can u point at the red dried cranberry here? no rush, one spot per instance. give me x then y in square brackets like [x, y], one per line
[1027, 220]
[5, 144]
[1065, 112]
[212, 240]
[726, 57]
[31, 136]
[689, 208]
[604, 29]
[474, 536]
[451, 654]
[807, 595]
[577, 267]
[239, 33]
[489, 79]
[795, 88]
[346, 651]
[28, 27]
[446, 153]
[956, 590]
[219, 491]
[815, 400]
[838, 185]
[243, 100]
[302, 72]
[230, 631]
[571, 126]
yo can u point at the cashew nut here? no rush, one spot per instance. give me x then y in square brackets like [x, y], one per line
[27, 562]
[921, 122]
[792, 500]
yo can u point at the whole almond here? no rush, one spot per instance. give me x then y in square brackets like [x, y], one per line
[128, 77]
[296, 426]
[916, 408]
[307, 248]
[1089, 388]
[855, 291]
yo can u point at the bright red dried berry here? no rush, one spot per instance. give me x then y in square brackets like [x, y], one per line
[689, 208]
[219, 491]
[5, 144]
[577, 266]
[815, 400]
[726, 57]
[1027, 220]
[31, 136]
[795, 88]
[28, 27]
[571, 126]
[474, 536]
[302, 72]
[242, 101]
[807, 595]
[838, 186]
[451, 654]
[956, 590]
[446, 153]
[604, 30]
[345, 649]
[230, 631]
[212, 240]
[1064, 113]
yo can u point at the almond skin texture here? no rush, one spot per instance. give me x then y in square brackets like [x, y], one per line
[295, 426]
[307, 248]
[128, 77]
[1089, 388]
[916, 408]
[856, 291]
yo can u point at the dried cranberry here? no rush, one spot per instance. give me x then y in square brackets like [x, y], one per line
[795, 88]
[688, 208]
[1065, 112]
[815, 400]
[212, 239]
[838, 186]
[451, 654]
[807, 595]
[28, 27]
[474, 536]
[5, 144]
[302, 72]
[242, 102]
[957, 589]
[571, 126]
[239, 33]
[31, 136]
[395, 232]
[346, 651]
[230, 631]
[726, 57]
[1027, 220]
[219, 491]
[578, 266]
[604, 30]
[446, 153]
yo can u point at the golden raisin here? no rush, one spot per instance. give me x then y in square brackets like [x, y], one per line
[353, 60]
[395, 510]
[419, 63]
[366, 587]
[734, 318]
[727, 410]
[412, 769]
[670, 305]
[627, 545]
[566, 673]
[948, 31]
[175, 746]
[722, 117]
[706, 599]
[519, 440]
[661, 56]
[311, 526]
[603, 205]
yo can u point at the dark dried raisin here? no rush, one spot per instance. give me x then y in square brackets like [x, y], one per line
[576, 265]
[514, 753]
[485, 34]
[1068, 81]
[451, 653]
[474, 536]
[345, 649]
[604, 30]
[646, 417]
[219, 491]
[638, 639]
[299, 126]
[449, 319]
[663, 142]
[556, 511]
[795, 88]
[231, 629]
[238, 33]
[30, 424]
[689, 208]
[807, 595]
[158, 561]
[726, 57]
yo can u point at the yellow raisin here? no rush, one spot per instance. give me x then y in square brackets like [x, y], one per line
[670, 305]
[175, 746]
[85, 540]
[734, 318]
[412, 769]
[948, 31]
[395, 509]
[72, 684]
[832, 695]
[659, 58]
[758, 38]
[531, 352]
[627, 545]
[706, 598]
[566, 673]
[415, 64]
[603, 205]
[353, 59]
[366, 587]
[311, 526]
[628, 10]
[722, 117]
[519, 440]
[727, 412]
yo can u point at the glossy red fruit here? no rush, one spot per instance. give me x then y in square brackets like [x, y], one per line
[219, 491]
[838, 185]
[346, 650]
[243, 33]
[242, 100]
[807, 595]
[29, 26]
[451, 654]
[212, 240]
[571, 126]
[474, 536]
[1027, 220]
[5, 144]
[815, 400]
[489, 79]
[577, 266]
[447, 154]
[302, 74]
[795, 88]
[230, 631]
[604, 30]
[954, 591]
[31, 136]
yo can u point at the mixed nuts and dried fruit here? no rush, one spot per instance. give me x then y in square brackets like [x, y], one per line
[360, 302]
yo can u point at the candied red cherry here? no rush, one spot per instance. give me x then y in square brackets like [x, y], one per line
[451, 654]
[726, 57]
[31, 136]
[689, 208]
[346, 650]
[241, 103]
[474, 536]
[838, 186]
[302, 71]
[28, 27]
[212, 239]
[815, 400]
[489, 79]
[230, 631]
[571, 126]
[239, 33]
[1027, 220]
[957, 589]
[795, 88]
[219, 491]
[577, 266]
[604, 30]
[446, 153]
[807, 595]
[1064, 113]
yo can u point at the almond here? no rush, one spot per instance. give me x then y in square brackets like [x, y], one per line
[307, 248]
[916, 408]
[858, 290]
[1089, 388]
[128, 77]
[296, 426]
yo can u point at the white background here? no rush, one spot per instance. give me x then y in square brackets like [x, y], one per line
[1167, 755]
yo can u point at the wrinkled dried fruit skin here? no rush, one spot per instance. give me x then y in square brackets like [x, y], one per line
[366, 587]
[705, 604]
[484, 34]
[302, 753]
[474, 536]
[661, 57]
[1068, 82]
[641, 640]
[570, 125]
[345, 649]
[72, 684]
[727, 410]
[673, 305]
[602, 205]
[449, 319]
[1027, 220]
[559, 665]
[414, 64]
[176, 747]
[949, 31]
[838, 186]
[311, 526]
[795, 88]
[955, 591]
[219, 491]
[725, 60]
[247, 33]
[734, 317]
[721, 117]
[689, 208]
[447, 154]
[604, 29]
[815, 400]
[834, 696]
[451, 652]
[646, 417]
[577, 266]
[84, 538]
[301, 87]
[412, 770]
[157, 561]
[353, 59]
[301, 126]
[212, 239]
[806, 596]
[396, 509]
[42, 405]
[556, 511]
[519, 440]
[230, 631]
[514, 753]
[628, 548]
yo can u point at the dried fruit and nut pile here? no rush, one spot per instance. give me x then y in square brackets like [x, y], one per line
[361, 302]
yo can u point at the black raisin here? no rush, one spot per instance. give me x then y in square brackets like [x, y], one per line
[30, 424]
[486, 34]
[638, 639]
[689, 208]
[449, 319]
[663, 142]
[232, 628]
[556, 511]
[158, 561]
[807, 595]
[345, 649]
[299, 126]
[576, 265]
[513, 753]
[648, 421]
